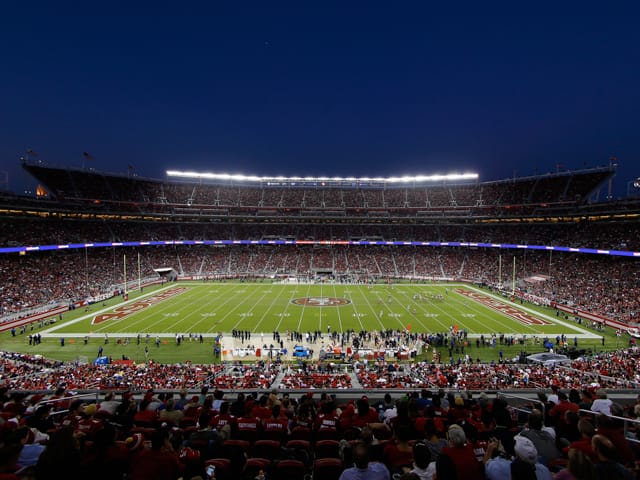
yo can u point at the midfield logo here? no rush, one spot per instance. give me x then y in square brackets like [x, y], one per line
[321, 301]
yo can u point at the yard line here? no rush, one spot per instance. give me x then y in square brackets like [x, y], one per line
[373, 312]
[335, 294]
[303, 307]
[444, 312]
[250, 310]
[293, 293]
[415, 317]
[320, 319]
[228, 299]
[355, 311]
[394, 314]
[282, 290]
[183, 304]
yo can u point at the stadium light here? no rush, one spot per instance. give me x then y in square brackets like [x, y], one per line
[255, 178]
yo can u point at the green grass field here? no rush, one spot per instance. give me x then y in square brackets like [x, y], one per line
[214, 308]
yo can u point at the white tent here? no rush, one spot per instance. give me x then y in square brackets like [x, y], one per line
[548, 358]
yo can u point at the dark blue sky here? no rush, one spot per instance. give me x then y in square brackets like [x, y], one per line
[296, 89]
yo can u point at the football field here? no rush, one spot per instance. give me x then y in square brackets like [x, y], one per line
[214, 308]
[151, 319]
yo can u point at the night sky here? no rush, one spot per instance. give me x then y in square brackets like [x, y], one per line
[320, 88]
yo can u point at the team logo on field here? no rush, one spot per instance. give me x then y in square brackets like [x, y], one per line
[130, 308]
[321, 301]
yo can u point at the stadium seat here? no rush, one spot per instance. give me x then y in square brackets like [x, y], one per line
[223, 468]
[327, 449]
[188, 422]
[327, 469]
[303, 444]
[289, 470]
[327, 434]
[279, 437]
[266, 449]
[249, 436]
[254, 465]
[301, 433]
[231, 447]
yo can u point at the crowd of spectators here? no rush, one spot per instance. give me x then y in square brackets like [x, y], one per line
[425, 432]
[616, 369]
[600, 235]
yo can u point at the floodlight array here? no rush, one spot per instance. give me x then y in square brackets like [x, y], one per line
[451, 177]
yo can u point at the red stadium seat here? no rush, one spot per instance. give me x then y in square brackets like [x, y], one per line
[327, 449]
[301, 433]
[266, 449]
[232, 447]
[327, 469]
[327, 434]
[223, 468]
[302, 444]
[254, 465]
[289, 470]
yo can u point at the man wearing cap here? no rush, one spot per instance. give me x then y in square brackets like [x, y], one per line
[89, 425]
[498, 467]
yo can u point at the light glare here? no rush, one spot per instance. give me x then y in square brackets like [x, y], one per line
[255, 178]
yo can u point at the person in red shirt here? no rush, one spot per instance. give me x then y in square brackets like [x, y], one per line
[398, 453]
[248, 428]
[462, 454]
[261, 410]
[364, 414]
[224, 418]
[277, 426]
[159, 463]
[563, 406]
[89, 425]
[73, 418]
[144, 416]
[327, 418]
[587, 431]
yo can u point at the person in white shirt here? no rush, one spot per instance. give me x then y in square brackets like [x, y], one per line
[602, 404]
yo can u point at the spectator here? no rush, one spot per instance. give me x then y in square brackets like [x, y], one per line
[543, 441]
[363, 469]
[446, 468]
[601, 404]
[462, 454]
[579, 467]
[606, 466]
[423, 467]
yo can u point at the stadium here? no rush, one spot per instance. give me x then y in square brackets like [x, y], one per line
[282, 287]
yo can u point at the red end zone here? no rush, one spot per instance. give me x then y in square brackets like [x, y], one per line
[124, 310]
[498, 306]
